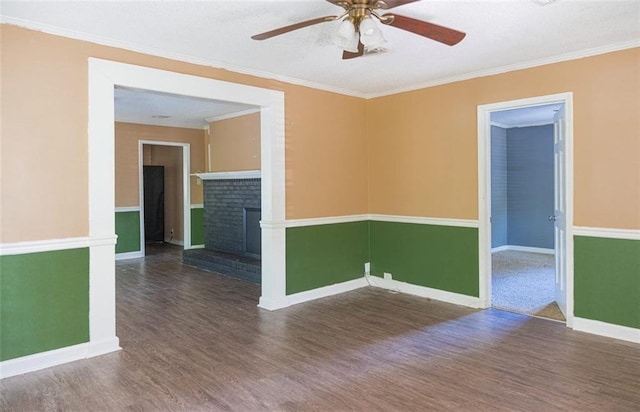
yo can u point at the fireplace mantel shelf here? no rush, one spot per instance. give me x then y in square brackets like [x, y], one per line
[243, 174]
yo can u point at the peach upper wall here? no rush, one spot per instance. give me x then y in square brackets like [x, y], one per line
[127, 136]
[423, 144]
[235, 143]
[44, 88]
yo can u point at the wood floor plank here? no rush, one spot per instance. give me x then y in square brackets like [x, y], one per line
[195, 340]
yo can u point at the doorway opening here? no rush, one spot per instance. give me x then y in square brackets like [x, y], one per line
[525, 204]
[164, 191]
[104, 76]
[522, 200]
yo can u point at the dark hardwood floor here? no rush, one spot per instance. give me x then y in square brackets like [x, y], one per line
[195, 341]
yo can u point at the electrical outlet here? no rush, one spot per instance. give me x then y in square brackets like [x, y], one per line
[387, 276]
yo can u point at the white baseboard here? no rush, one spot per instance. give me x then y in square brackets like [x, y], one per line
[103, 347]
[272, 304]
[325, 291]
[129, 255]
[523, 249]
[197, 247]
[425, 292]
[606, 329]
[43, 360]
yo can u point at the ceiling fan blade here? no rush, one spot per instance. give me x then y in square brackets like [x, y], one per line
[350, 55]
[389, 4]
[345, 4]
[432, 31]
[292, 27]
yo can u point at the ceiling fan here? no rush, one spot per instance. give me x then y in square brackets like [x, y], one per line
[358, 32]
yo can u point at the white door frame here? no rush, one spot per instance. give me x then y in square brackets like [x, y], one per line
[484, 190]
[186, 188]
[103, 77]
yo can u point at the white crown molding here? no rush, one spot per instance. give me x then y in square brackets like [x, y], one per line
[424, 292]
[42, 360]
[241, 174]
[105, 41]
[166, 123]
[49, 245]
[425, 220]
[124, 209]
[532, 124]
[610, 330]
[498, 124]
[231, 115]
[509, 68]
[629, 234]
[326, 291]
[197, 206]
[520, 125]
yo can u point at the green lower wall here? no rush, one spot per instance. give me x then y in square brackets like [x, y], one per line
[439, 257]
[607, 280]
[197, 226]
[44, 301]
[128, 231]
[325, 254]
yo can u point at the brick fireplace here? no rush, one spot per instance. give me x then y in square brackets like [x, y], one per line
[232, 210]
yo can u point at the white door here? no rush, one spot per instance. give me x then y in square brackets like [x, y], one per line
[560, 207]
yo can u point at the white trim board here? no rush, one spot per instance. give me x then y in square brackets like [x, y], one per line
[523, 249]
[43, 360]
[197, 206]
[231, 115]
[326, 291]
[130, 255]
[610, 330]
[381, 218]
[424, 292]
[123, 209]
[241, 174]
[629, 234]
[325, 220]
[437, 221]
[49, 245]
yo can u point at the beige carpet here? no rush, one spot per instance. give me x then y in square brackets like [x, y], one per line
[524, 282]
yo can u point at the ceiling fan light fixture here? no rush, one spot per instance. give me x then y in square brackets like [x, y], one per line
[370, 34]
[346, 36]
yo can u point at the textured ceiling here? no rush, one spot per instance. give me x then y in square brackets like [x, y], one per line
[501, 35]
